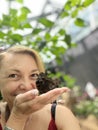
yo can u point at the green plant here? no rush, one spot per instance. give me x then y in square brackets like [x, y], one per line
[14, 24]
[86, 107]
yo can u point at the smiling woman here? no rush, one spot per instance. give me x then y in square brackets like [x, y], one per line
[22, 106]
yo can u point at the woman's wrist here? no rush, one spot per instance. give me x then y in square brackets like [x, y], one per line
[8, 128]
[15, 122]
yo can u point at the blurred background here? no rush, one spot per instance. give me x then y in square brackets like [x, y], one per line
[65, 33]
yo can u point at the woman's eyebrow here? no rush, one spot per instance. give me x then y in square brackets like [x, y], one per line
[5, 75]
[18, 71]
[14, 70]
[35, 70]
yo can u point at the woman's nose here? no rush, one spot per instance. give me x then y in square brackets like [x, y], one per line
[28, 84]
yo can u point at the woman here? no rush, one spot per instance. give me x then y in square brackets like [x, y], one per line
[19, 68]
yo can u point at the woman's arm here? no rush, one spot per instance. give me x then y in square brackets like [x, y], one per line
[65, 120]
[29, 102]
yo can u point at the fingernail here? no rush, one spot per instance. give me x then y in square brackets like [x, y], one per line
[35, 92]
[68, 90]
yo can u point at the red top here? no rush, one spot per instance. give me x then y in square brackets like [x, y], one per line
[0, 127]
[52, 125]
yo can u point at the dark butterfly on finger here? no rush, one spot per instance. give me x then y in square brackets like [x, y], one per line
[45, 83]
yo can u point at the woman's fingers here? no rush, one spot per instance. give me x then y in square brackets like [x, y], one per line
[42, 100]
[27, 96]
[51, 95]
[46, 97]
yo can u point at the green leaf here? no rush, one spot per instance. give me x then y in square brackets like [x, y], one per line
[41, 45]
[38, 39]
[79, 22]
[2, 34]
[57, 50]
[25, 10]
[14, 23]
[13, 12]
[14, 19]
[88, 2]
[64, 14]
[75, 13]
[55, 38]
[75, 2]
[73, 44]
[62, 32]
[22, 18]
[36, 31]
[67, 39]
[27, 25]
[16, 37]
[46, 22]
[23, 15]
[6, 20]
[67, 6]
[47, 37]
[20, 1]
[70, 81]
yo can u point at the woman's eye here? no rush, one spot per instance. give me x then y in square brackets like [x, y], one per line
[34, 76]
[13, 76]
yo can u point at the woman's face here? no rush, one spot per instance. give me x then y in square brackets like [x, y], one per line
[18, 74]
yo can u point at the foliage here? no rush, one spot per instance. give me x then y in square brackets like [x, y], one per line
[65, 79]
[86, 107]
[14, 25]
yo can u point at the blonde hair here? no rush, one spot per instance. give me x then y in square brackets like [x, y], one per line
[19, 49]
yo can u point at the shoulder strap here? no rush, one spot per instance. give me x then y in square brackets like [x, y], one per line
[53, 108]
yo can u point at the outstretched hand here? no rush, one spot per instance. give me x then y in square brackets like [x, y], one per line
[30, 102]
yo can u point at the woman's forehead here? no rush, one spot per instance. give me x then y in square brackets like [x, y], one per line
[16, 59]
[13, 56]
[19, 62]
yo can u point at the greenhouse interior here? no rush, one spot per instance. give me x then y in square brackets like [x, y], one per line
[65, 33]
